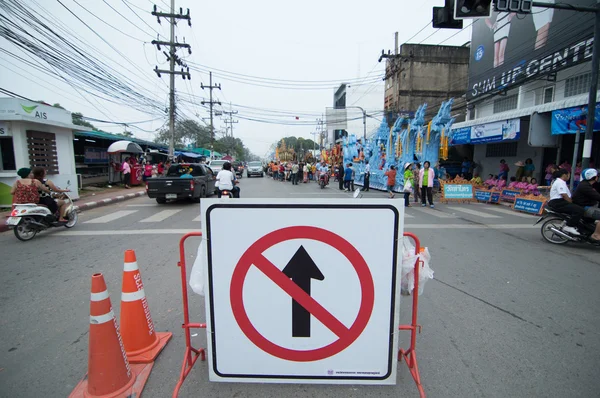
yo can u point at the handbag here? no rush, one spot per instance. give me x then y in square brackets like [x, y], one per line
[408, 186]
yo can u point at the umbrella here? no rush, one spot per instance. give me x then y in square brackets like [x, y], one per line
[124, 146]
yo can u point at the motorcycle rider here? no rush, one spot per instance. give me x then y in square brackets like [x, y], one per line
[324, 172]
[226, 180]
[587, 197]
[39, 173]
[560, 200]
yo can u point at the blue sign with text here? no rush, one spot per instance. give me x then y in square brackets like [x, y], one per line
[495, 198]
[529, 205]
[483, 196]
[460, 136]
[568, 121]
[458, 191]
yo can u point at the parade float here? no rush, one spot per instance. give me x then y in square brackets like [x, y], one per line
[408, 140]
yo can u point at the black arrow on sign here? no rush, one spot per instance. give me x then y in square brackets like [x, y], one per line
[301, 269]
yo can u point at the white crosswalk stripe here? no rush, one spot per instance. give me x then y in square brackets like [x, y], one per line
[199, 218]
[472, 212]
[432, 212]
[111, 217]
[161, 216]
[406, 215]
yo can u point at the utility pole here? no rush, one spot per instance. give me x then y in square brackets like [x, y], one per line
[230, 121]
[394, 71]
[210, 87]
[172, 58]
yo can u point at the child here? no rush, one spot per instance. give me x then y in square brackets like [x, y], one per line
[532, 187]
[513, 183]
[523, 184]
[501, 184]
[490, 181]
[476, 179]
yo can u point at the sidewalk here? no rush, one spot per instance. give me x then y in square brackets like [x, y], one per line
[90, 199]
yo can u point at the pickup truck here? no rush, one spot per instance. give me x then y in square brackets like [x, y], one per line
[183, 181]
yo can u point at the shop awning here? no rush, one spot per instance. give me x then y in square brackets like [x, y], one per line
[192, 155]
[516, 113]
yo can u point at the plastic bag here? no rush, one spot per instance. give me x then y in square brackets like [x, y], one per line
[197, 276]
[407, 273]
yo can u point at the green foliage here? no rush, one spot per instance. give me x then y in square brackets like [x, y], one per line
[186, 132]
[77, 118]
[299, 144]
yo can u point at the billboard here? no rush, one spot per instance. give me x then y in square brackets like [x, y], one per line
[505, 130]
[508, 49]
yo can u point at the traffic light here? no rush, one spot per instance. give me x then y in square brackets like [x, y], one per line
[443, 17]
[465, 9]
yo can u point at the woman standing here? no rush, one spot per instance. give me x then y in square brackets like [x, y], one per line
[408, 181]
[426, 177]
[126, 168]
[305, 170]
[416, 173]
[529, 168]
[391, 181]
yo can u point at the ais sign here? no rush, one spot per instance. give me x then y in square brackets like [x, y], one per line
[507, 50]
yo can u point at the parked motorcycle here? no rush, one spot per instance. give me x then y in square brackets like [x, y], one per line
[27, 220]
[552, 228]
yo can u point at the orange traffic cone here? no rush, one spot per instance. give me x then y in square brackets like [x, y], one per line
[141, 341]
[109, 373]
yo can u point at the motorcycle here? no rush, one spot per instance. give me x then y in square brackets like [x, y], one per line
[226, 193]
[323, 180]
[552, 228]
[26, 220]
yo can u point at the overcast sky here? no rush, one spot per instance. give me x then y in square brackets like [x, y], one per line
[305, 48]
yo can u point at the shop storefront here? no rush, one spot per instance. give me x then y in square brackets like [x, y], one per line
[33, 134]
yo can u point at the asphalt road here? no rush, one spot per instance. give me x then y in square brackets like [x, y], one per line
[506, 315]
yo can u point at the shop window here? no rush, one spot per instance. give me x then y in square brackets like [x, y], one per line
[501, 150]
[548, 94]
[578, 85]
[506, 104]
[7, 154]
[42, 151]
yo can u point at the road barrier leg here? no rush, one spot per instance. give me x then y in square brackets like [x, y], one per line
[191, 354]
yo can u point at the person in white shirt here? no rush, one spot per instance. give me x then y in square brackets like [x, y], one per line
[225, 179]
[367, 176]
[560, 201]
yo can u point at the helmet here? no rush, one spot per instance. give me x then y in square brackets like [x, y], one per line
[588, 174]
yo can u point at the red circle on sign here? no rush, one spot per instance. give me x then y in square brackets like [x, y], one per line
[254, 253]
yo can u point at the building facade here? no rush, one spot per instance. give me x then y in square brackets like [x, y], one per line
[429, 74]
[529, 82]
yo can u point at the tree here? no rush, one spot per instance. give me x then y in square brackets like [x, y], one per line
[126, 133]
[299, 144]
[186, 132]
[57, 105]
[77, 118]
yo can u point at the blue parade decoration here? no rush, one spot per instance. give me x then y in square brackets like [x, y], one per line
[409, 140]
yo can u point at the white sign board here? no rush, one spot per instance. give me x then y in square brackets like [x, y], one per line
[302, 291]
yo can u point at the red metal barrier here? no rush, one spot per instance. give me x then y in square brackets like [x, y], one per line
[192, 354]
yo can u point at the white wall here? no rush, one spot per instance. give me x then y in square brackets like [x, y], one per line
[524, 151]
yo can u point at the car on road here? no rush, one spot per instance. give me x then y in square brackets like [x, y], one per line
[217, 165]
[183, 181]
[255, 169]
[239, 168]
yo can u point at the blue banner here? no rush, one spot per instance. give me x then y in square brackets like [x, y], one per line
[568, 121]
[509, 194]
[458, 191]
[496, 131]
[529, 205]
[495, 198]
[483, 196]
[460, 136]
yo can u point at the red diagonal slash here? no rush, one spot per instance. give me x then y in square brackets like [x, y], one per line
[309, 303]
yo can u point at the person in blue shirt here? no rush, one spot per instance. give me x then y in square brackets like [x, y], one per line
[348, 177]
[466, 168]
[187, 174]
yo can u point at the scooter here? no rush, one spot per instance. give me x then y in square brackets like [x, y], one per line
[26, 220]
[552, 228]
[323, 180]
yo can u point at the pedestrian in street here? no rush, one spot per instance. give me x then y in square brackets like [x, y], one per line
[126, 168]
[416, 173]
[295, 169]
[391, 181]
[341, 176]
[352, 177]
[305, 173]
[408, 183]
[281, 172]
[347, 176]
[426, 177]
[367, 176]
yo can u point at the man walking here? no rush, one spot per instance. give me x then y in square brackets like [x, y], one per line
[341, 176]
[367, 176]
[295, 169]
[348, 176]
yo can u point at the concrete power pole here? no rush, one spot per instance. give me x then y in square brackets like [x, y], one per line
[210, 87]
[230, 121]
[172, 58]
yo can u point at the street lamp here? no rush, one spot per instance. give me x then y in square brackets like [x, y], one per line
[364, 120]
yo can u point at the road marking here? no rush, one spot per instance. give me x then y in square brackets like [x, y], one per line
[432, 212]
[161, 216]
[406, 215]
[510, 212]
[144, 205]
[472, 212]
[407, 227]
[199, 218]
[110, 217]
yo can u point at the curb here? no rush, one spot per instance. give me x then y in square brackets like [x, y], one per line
[91, 205]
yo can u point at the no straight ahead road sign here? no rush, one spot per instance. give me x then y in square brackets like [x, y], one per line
[303, 291]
